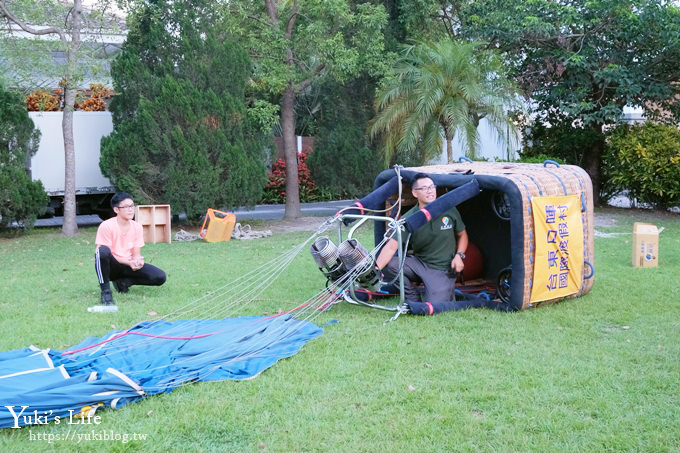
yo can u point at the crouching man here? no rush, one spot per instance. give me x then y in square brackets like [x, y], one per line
[117, 258]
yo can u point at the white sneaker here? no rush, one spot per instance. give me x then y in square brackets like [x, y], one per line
[103, 309]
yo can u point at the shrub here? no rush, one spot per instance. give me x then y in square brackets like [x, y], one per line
[644, 160]
[539, 159]
[42, 101]
[556, 135]
[275, 192]
[95, 100]
[21, 199]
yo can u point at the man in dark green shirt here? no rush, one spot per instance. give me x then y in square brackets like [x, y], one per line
[438, 250]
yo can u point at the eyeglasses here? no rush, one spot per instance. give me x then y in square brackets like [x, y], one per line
[427, 188]
[130, 206]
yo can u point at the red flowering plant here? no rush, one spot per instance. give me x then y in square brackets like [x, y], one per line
[96, 101]
[275, 191]
[92, 100]
[43, 101]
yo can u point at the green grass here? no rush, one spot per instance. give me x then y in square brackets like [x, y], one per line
[599, 373]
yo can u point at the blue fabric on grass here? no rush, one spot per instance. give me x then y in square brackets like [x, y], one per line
[42, 385]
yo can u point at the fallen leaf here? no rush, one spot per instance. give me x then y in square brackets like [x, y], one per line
[428, 365]
[658, 347]
[559, 327]
[626, 327]
[411, 388]
[152, 313]
[261, 446]
[148, 414]
[113, 326]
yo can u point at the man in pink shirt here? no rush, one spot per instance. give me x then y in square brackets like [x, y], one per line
[118, 258]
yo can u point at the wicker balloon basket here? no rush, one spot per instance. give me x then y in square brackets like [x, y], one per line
[532, 223]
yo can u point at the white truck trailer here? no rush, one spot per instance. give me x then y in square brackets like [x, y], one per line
[93, 190]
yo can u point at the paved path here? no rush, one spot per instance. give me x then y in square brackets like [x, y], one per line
[275, 211]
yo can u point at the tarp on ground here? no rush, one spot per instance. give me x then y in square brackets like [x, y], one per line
[39, 386]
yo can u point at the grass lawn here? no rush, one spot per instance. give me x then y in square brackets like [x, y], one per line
[599, 373]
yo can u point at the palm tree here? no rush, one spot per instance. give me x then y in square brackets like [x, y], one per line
[438, 90]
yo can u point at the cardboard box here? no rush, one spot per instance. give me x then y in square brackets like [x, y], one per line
[645, 245]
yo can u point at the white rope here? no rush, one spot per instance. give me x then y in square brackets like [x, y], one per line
[240, 232]
[309, 310]
[185, 236]
[246, 232]
[204, 307]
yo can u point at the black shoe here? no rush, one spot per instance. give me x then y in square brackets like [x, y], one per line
[107, 297]
[122, 285]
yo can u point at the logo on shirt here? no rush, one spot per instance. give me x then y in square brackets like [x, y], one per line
[446, 223]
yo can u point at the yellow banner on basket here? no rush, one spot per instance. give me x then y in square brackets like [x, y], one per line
[558, 258]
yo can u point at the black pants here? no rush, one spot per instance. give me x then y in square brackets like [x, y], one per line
[439, 285]
[109, 269]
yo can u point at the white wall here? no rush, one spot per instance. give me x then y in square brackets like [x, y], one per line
[47, 164]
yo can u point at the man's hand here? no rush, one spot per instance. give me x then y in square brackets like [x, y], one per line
[137, 262]
[457, 263]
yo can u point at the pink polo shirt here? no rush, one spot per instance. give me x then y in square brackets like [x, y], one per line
[121, 245]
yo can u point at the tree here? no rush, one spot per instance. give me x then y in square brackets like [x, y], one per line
[182, 133]
[21, 199]
[41, 20]
[438, 90]
[344, 163]
[587, 60]
[296, 44]
[425, 20]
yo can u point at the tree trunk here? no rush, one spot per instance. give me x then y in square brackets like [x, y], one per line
[70, 226]
[449, 149]
[290, 153]
[592, 161]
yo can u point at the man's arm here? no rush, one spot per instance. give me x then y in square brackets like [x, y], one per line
[386, 254]
[461, 246]
[137, 260]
